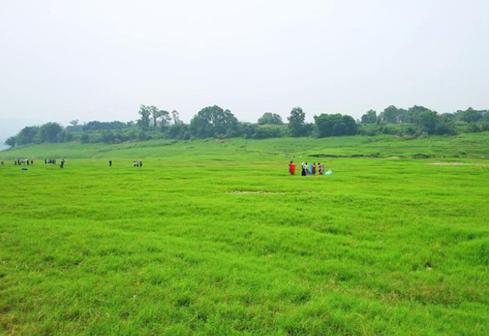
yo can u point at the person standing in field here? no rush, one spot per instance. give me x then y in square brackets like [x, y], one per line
[62, 165]
[320, 168]
[292, 168]
[303, 169]
[314, 168]
[310, 169]
[110, 163]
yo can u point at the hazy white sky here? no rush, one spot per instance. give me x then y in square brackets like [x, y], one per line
[64, 60]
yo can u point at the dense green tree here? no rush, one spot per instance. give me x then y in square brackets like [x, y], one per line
[176, 117]
[85, 138]
[390, 114]
[445, 124]
[165, 119]
[470, 115]
[213, 121]
[11, 141]
[28, 135]
[103, 125]
[370, 117]
[427, 121]
[107, 137]
[269, 118]
[50, 132]
[155, 115]
[335, 125]
[178, 131]
[297, 126]
[145, 113]
[413, 114]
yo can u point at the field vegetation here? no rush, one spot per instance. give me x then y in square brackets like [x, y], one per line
[213, 237]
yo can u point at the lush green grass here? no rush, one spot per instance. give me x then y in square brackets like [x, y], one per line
[213, 237]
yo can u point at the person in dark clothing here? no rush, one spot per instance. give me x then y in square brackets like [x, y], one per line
[140, 163]
[110, 163]
[62, 165]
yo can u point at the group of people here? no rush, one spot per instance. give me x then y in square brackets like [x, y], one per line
[53, 161]
[307, 168]
[20, 162]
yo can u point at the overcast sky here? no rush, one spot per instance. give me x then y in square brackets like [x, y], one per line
[100, 59]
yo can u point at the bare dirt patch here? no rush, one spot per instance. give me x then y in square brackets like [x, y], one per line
[459, 164]
[449, 164]
[254, 192]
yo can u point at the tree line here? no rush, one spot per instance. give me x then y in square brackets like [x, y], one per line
[216, 122]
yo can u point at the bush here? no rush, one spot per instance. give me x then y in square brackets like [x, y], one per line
[267, 131]
[335, 124]
[84, 138]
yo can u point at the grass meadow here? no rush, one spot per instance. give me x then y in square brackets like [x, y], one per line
[213, 237]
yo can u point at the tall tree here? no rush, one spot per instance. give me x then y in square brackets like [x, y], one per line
[50, 132]
[145, 113]
[164, 118]
[414, 113]
[297, 124]
[390, 114]
[155, 114]
[471, 115]
[28, 135]
[370, 117]
[213, 121]
[11, 141]
[175, 117]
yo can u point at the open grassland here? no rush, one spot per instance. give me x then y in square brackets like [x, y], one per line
[214, 238]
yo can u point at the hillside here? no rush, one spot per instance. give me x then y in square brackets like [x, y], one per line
[467, 145]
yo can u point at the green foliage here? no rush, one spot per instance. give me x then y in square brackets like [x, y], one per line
[213, 237]
[85, 138]
[145, 115]
[50, 132]
[269, 131]
[335, 125]
[269, 118]
[471, 115]
[297, 126]
[213, 121]
[178, 131]
[370, 117]
[391, 114]
[28, 135]
[11, 141]
[432, 123]
[100, 125]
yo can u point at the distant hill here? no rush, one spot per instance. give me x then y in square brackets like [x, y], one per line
[467, 145]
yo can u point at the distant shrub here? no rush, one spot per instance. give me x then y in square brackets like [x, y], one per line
[268, 131]
[85, 138]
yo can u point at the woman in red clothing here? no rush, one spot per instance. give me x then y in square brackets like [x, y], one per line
[292, 168]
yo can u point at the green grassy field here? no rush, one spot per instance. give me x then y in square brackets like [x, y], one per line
[214, 238]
